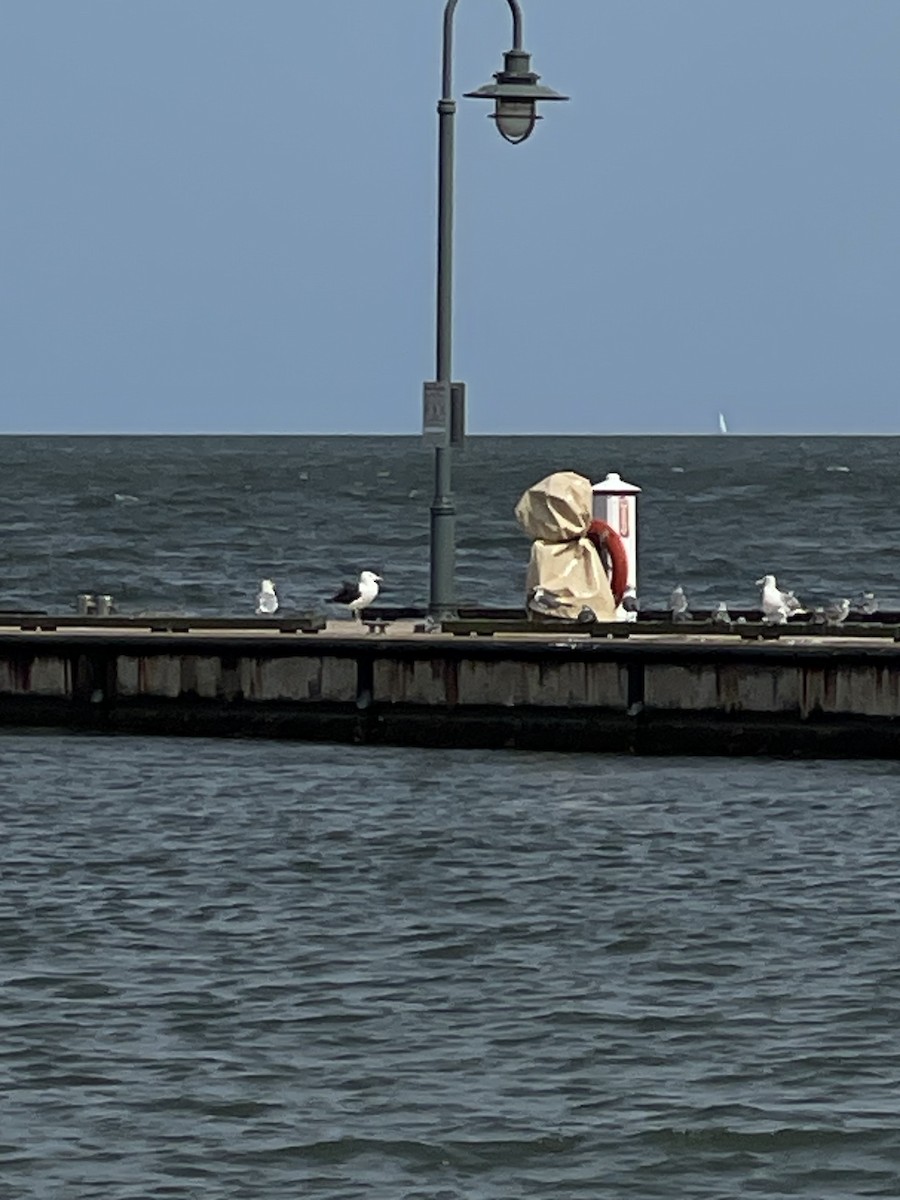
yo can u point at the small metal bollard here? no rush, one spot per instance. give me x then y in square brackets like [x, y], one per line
[88, 605]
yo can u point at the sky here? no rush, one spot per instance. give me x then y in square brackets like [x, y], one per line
[220, 216]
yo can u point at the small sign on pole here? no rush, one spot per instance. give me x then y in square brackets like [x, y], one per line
[436, 413]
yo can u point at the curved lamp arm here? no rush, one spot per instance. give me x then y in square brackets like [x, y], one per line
[449, 13]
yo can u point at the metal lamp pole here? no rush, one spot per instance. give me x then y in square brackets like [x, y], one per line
[515, 93]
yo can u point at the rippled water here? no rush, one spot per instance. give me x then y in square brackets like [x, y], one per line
[192, 524]
[245, 971]
[259, 971]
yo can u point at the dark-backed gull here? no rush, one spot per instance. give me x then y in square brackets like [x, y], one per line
[359, 595]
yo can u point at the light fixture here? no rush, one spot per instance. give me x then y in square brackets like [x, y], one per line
[515, 94]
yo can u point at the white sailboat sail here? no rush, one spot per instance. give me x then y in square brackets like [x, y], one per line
[723, 428]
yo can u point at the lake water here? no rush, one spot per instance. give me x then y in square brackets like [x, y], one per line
[193, 524]
[248, 971]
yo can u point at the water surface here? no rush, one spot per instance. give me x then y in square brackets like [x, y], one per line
[247, 970]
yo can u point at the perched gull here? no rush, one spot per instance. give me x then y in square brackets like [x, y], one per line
[793, 605]
[776, 605]
[360, 595]
[836, 612]
[544, 601]
[869, 604]
[266, 601]
[678, 605]
[721, 615]
[630, 605]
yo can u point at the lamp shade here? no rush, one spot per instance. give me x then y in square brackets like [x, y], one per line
[515, 93]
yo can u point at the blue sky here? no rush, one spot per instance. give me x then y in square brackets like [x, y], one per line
[219, 215]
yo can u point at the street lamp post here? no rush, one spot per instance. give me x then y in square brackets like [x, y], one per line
[515, 93]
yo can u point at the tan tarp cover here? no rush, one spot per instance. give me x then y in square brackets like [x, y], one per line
[556, 514]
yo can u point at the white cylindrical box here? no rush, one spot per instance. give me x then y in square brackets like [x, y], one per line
[615, 502]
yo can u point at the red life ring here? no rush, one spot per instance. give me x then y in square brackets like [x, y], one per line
[613, 555]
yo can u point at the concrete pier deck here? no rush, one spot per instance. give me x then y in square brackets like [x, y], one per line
[698, 692]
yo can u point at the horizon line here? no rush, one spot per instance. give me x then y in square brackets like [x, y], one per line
[416, 435]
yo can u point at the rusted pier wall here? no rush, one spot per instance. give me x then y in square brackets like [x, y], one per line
[641, 696]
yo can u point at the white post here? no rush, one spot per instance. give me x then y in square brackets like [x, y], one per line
[615, 502]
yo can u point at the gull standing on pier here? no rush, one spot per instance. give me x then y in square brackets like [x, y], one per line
[266, 601]
[776, 605]
[545, 601]
[630, 605]
[360, 595]
[678, 605]
[793, 605]
[837, 612]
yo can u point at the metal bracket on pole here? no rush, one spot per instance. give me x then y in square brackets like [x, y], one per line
[458, 416]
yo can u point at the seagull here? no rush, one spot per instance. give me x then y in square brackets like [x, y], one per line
[360, 595]
[836, 612]
[266, 601]
[630, 605]
[721, 615]
[793, 605]
[678, 605]
[775, 604]
[544, 601]
[869, 604]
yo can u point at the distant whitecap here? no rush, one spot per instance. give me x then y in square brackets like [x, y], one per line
[843, 470]
[677, 470]
[125, 498]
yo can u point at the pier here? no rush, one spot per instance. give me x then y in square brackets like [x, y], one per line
[641, 688]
